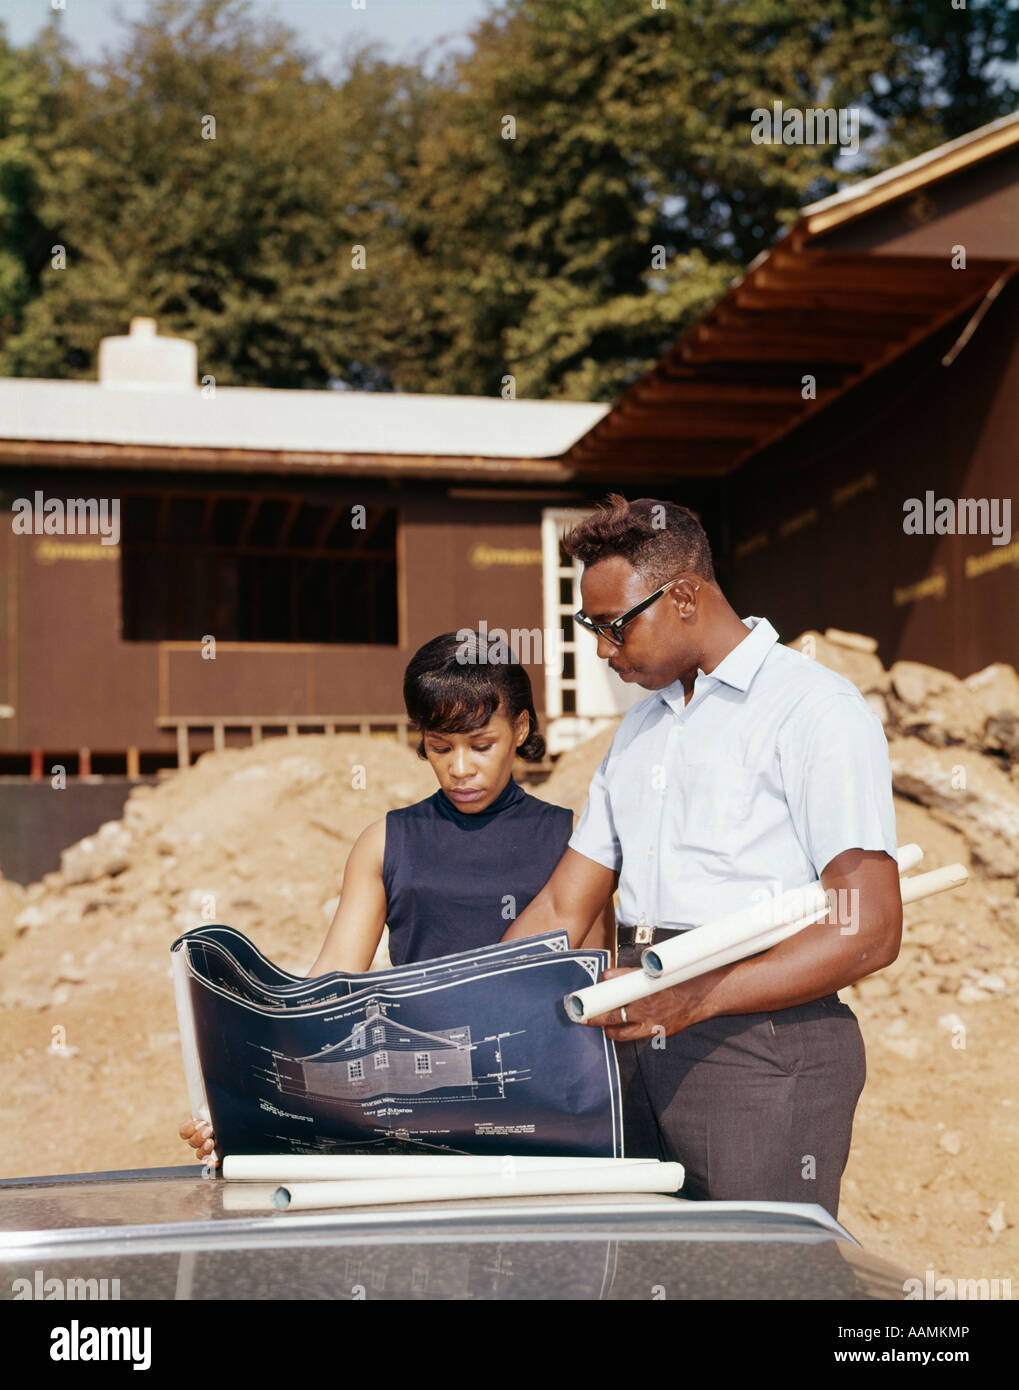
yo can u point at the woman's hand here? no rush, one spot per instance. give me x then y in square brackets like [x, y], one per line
[198, 1133]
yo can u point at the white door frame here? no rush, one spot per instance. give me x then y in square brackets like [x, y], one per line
[582, 695]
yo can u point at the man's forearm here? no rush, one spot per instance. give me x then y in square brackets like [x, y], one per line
[538, 916]
[816, 961]
[602, 936]
[570, 901]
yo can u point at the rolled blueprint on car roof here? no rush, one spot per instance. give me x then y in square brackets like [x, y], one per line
[470, 1053]
[283, 1168]
[640, 1177]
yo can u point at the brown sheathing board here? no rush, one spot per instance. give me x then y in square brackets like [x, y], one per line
[918, 426]
[67, 614]
[69, 611]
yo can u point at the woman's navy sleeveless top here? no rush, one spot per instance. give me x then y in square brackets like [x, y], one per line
[455, 881]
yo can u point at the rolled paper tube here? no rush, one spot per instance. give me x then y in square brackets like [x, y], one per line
[908, 857]
[636, 1177]
[936, 881]
[247, 1196]
[790, 906]
[625, 989]
[284, 1168]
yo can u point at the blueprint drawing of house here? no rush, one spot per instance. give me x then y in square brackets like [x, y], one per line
[383, 1057]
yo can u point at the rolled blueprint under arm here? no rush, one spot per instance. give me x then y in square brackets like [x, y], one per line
[703, 951]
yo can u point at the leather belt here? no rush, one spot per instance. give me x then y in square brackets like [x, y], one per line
[643, 935]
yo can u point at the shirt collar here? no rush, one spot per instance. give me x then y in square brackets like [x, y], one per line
[739, 666]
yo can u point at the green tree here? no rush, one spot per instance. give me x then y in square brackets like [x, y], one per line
[209, 176]
[30, 83]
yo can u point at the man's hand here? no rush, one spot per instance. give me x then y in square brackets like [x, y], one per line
[670, 1010]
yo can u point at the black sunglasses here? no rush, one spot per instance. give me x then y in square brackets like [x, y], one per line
[612, 631]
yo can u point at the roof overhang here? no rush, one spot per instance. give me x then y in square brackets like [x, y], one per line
[253, 429]
[861, 198]
[801, 329]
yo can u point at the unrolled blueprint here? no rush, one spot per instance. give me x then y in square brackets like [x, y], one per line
[469, 1053]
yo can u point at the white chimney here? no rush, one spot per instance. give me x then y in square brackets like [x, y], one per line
[144, 361]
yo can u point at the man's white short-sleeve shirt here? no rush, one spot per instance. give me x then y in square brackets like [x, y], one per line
[776, 766]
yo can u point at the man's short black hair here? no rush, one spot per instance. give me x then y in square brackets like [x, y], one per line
[659, 539]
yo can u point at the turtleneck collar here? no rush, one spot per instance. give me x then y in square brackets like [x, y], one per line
[511, 795]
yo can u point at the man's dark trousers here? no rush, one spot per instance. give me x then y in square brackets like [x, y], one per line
[757, 1107]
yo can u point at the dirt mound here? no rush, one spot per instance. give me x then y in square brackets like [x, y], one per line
[12, 900]
[571, 776]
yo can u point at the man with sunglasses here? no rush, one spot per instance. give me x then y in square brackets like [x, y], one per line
[750, 770]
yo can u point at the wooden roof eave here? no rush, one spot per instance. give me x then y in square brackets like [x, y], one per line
[938, 164]
[714, 348]
[784, 304]
[278, 461]
[979, 287]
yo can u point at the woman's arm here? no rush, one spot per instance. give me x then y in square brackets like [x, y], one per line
[356, 929]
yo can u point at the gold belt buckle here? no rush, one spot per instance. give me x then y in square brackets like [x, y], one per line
[643, 935]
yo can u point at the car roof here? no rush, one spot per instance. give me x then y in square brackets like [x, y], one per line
[146, 1225]
[119, 1201]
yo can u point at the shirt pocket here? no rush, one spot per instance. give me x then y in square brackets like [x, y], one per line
[717, 800]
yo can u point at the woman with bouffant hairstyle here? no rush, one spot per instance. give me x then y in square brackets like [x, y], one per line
[453, 871]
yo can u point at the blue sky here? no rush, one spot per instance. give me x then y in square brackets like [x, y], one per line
[404, 26]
